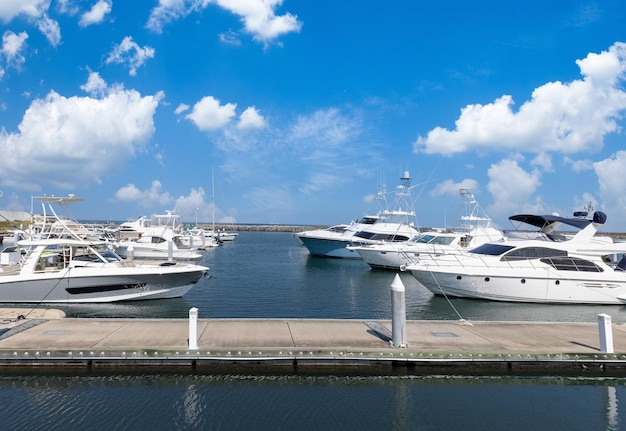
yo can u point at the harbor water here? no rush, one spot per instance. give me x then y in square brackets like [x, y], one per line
[270, 275]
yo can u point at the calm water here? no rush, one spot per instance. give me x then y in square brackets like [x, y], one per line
[269, 275]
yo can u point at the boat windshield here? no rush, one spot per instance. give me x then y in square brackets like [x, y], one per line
[381, 236]
[367, 220]
[492, 249]
[434, 239]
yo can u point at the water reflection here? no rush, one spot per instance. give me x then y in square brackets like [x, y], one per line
[306, 402]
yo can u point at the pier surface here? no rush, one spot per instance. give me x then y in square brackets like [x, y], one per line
[46, 338]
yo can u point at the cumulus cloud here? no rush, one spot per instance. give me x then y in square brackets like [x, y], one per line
[131, 54]
[96, 14]
[258, 16]
[74, 141]
[510, 184]
[12, 46]
[36, 12]
[564, 117]
[260, 20]
[208, 114]
[251, 119]
[144, 198]
[612, 182]
[95, 85]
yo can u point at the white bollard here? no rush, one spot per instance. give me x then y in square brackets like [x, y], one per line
[130, 253]
[170, 250]
[398, 313]
[193, 328]
[606, 333]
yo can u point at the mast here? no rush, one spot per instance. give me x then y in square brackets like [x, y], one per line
[213, 200]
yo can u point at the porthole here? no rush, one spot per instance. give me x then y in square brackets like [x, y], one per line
[458, 277]
[523, 281]
[486, 278]
[557, 282]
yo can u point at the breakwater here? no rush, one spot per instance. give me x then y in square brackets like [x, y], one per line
[261, 227]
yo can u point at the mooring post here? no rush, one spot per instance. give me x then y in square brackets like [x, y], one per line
[193, 328]
[398, 313]
[606, 333]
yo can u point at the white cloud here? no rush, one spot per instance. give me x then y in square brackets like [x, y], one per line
[258, 16]
[12, 45]
[74, 141]
[449, 187]
[251, 119]
[188, 207]
[36, 12]
[96, 14]
[325, 124]
[148, 198]
[95, 85]
[509, 185]
[579, 165]
[208, 114]
[10, 9]
[181, 108]
[544, 161]
[130, 53]
[568, 118]
[612, 182]
[230, 38]
[260, 20]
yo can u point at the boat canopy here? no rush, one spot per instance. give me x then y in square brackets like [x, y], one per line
[542, 221]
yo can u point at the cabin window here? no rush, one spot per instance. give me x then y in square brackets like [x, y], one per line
[571, 264]
[525, 253]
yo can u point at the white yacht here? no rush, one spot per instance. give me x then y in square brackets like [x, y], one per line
[162, 239]
[386, 225]
[475, 228]
[66, 268]
[542, 267]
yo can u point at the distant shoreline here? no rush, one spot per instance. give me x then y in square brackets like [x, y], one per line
[261, 227]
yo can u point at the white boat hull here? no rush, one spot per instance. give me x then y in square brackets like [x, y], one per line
[527, 285]
[146, 251]
[93, 285]
[329, 247]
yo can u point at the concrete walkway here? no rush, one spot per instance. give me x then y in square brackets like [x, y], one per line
[305, 342]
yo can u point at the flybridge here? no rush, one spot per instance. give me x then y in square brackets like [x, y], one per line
[551, 222]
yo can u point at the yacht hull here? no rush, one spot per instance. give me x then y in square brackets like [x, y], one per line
[329, 247]
[534, 286]
[85, 285]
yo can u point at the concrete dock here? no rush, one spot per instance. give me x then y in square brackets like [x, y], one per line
[46, 338]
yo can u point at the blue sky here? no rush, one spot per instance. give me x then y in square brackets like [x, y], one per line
[301, 109]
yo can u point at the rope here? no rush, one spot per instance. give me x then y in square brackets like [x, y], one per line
[461, 319]
[46, 295]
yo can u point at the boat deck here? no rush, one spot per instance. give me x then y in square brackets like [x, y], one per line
[47, 339]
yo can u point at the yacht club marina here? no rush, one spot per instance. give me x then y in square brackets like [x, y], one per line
[247, 331]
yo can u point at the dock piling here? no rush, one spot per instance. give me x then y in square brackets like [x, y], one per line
[606, 333]
[398, 313]
[193, 328]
